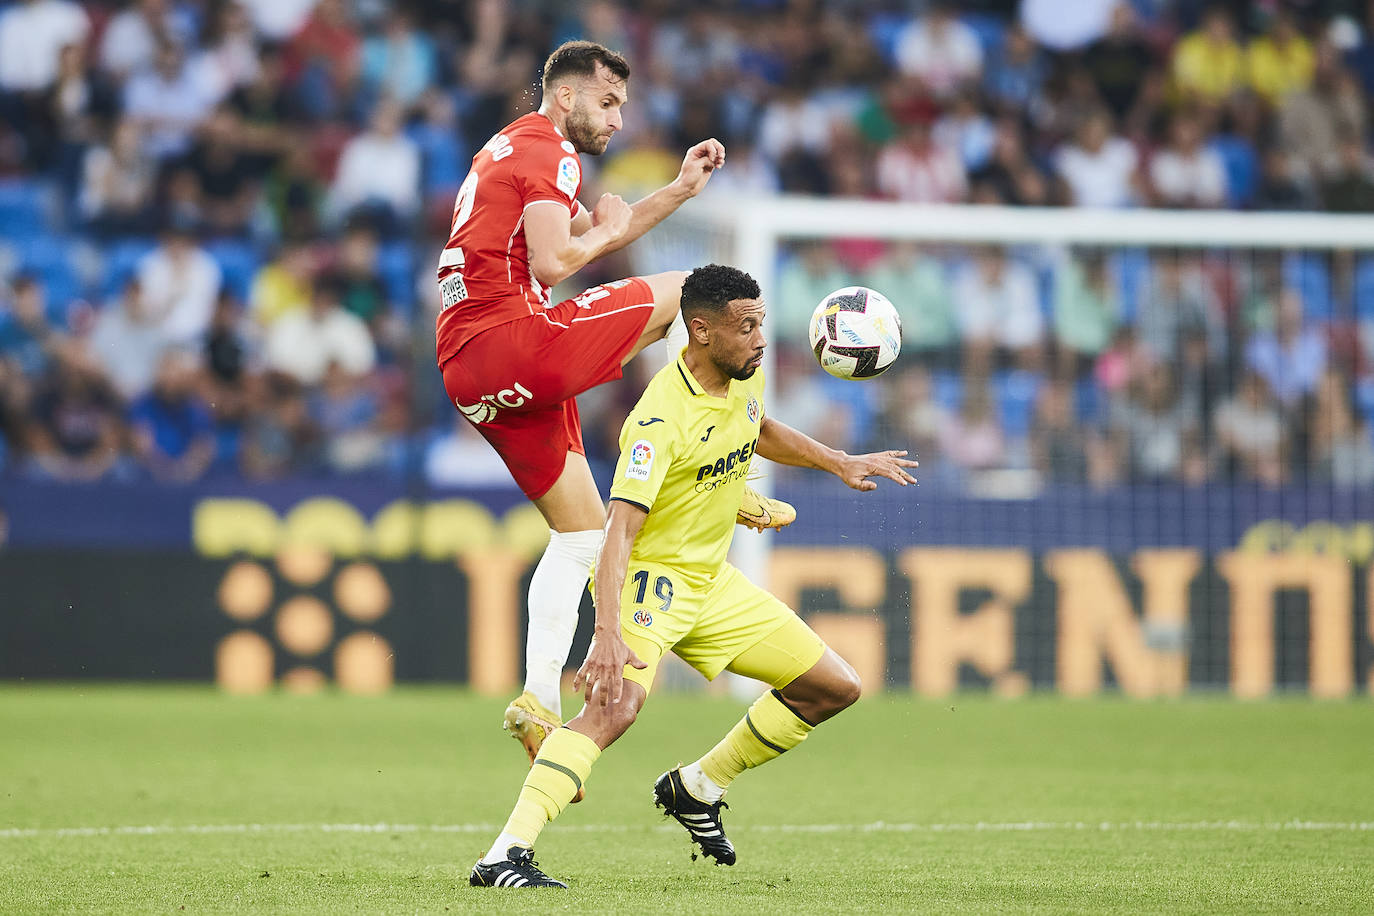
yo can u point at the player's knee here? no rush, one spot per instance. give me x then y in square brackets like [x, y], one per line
[846, 689]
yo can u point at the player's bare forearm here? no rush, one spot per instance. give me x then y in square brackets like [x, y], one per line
[623, 522]
[785, 445]
[555, 252]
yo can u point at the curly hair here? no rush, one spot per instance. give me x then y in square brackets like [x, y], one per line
[579, 58]
[711, 288]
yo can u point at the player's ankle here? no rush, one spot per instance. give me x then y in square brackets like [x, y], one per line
[701, 786]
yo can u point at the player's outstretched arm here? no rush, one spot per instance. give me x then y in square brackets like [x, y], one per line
[697, 166]
[785, 445]
[608, 655]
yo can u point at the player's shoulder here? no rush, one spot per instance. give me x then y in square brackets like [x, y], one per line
[663, 402]
[535, 134]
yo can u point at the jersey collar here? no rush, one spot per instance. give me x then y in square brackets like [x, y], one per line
[694, 387]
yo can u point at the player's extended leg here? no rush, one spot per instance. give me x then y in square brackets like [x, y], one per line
[777, 722]
[576, 517]
[667, 290]
[558, 775]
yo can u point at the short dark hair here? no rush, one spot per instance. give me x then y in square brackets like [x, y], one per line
[579, 58]
[715, 286]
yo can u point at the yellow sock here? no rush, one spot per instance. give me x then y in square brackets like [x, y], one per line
[563, 764]
[767, 729]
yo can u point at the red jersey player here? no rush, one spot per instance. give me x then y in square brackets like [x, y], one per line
[513, 361]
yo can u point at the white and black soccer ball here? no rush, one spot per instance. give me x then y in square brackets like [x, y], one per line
[856, 333]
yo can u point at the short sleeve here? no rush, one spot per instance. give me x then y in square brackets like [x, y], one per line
[648, 446]
[552, 172]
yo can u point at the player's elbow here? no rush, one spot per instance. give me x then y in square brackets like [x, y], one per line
[849, 690]
[548, 268]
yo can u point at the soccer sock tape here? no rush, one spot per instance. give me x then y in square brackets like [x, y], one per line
[563, 764]
[768, 729]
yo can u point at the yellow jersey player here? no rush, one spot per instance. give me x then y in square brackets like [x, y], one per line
[662, 583]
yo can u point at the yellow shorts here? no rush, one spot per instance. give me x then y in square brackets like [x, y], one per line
[730, 623]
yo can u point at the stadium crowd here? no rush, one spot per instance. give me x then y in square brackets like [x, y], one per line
[219, 222]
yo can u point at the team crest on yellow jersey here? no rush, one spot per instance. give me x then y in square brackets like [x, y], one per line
[752, 409]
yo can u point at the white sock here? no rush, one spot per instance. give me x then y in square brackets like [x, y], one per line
[676, 338]
[555, 594]
[500, 848]
[700, 785]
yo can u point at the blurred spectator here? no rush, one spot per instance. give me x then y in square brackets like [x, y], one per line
[1059, 448]
[1176, 298]
[694, 47]
[1280, 61]
[223, 174]
[304, 343]
[804, 280]
[1209, 64]
[1349, 187]
[941, 51]
[173, 435]
[460, 457]
[76, 425]
[642, 167]
[279, 437]
[133, 35]
[1099, 169]
[283, 285]
[1185, 173]
[1120, 62]
[180, 282]
[166, 102]
[972, 438]
[1063, 26]
[128, 343]
[399, 61]
[444, 153]
[912, 416]
[914, 282]
[229, 58]
[295, 195]
[32, 36]
[1291, 358]
[278, 20]
[346, 412]
[70, 117]
[323, 59]
[379, 170]
[998, 306]
[793, 121]
[916, 170]
[1281, 188]
[1014, 76]
[1249, 432]
[265, 114]
[1312, 121]
[967, 131]
[357, 278]
[1342, 445]
[1009, 176]
[1154, 427]
[27, 338]
[1087, 308]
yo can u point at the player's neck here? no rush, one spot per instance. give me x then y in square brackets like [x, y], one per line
[545, 112]
[708, 374]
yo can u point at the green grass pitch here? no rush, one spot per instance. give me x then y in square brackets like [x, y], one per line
[336, 804]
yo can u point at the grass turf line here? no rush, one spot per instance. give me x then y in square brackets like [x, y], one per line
[99, 756]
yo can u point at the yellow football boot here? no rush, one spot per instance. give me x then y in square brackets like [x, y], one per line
[530, 722]
[759, 512]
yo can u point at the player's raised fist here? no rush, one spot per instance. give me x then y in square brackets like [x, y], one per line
[612, 212]
[700, 161]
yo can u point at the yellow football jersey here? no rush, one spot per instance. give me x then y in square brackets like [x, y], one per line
[684, 457]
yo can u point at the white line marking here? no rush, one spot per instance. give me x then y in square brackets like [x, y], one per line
[13, 833]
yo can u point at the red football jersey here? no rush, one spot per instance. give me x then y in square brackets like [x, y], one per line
[484, 271]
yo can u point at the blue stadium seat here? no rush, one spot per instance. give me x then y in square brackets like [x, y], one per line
[991, 30]
[1131, 267]
[23, 209]
[1364, 398]
[1090, 402]
[883, 30]
[49, 257]
[1309, 275]
[238, 261]
[1016, 392]
[396, 264]
[947, 388]
[1364, 288]
[121, 260]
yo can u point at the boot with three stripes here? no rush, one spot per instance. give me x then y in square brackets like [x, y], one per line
[701, 820]
[518, 870]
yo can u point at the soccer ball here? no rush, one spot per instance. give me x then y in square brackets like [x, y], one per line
[856, 333]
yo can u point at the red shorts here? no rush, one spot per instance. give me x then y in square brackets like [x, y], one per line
[516, 382]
